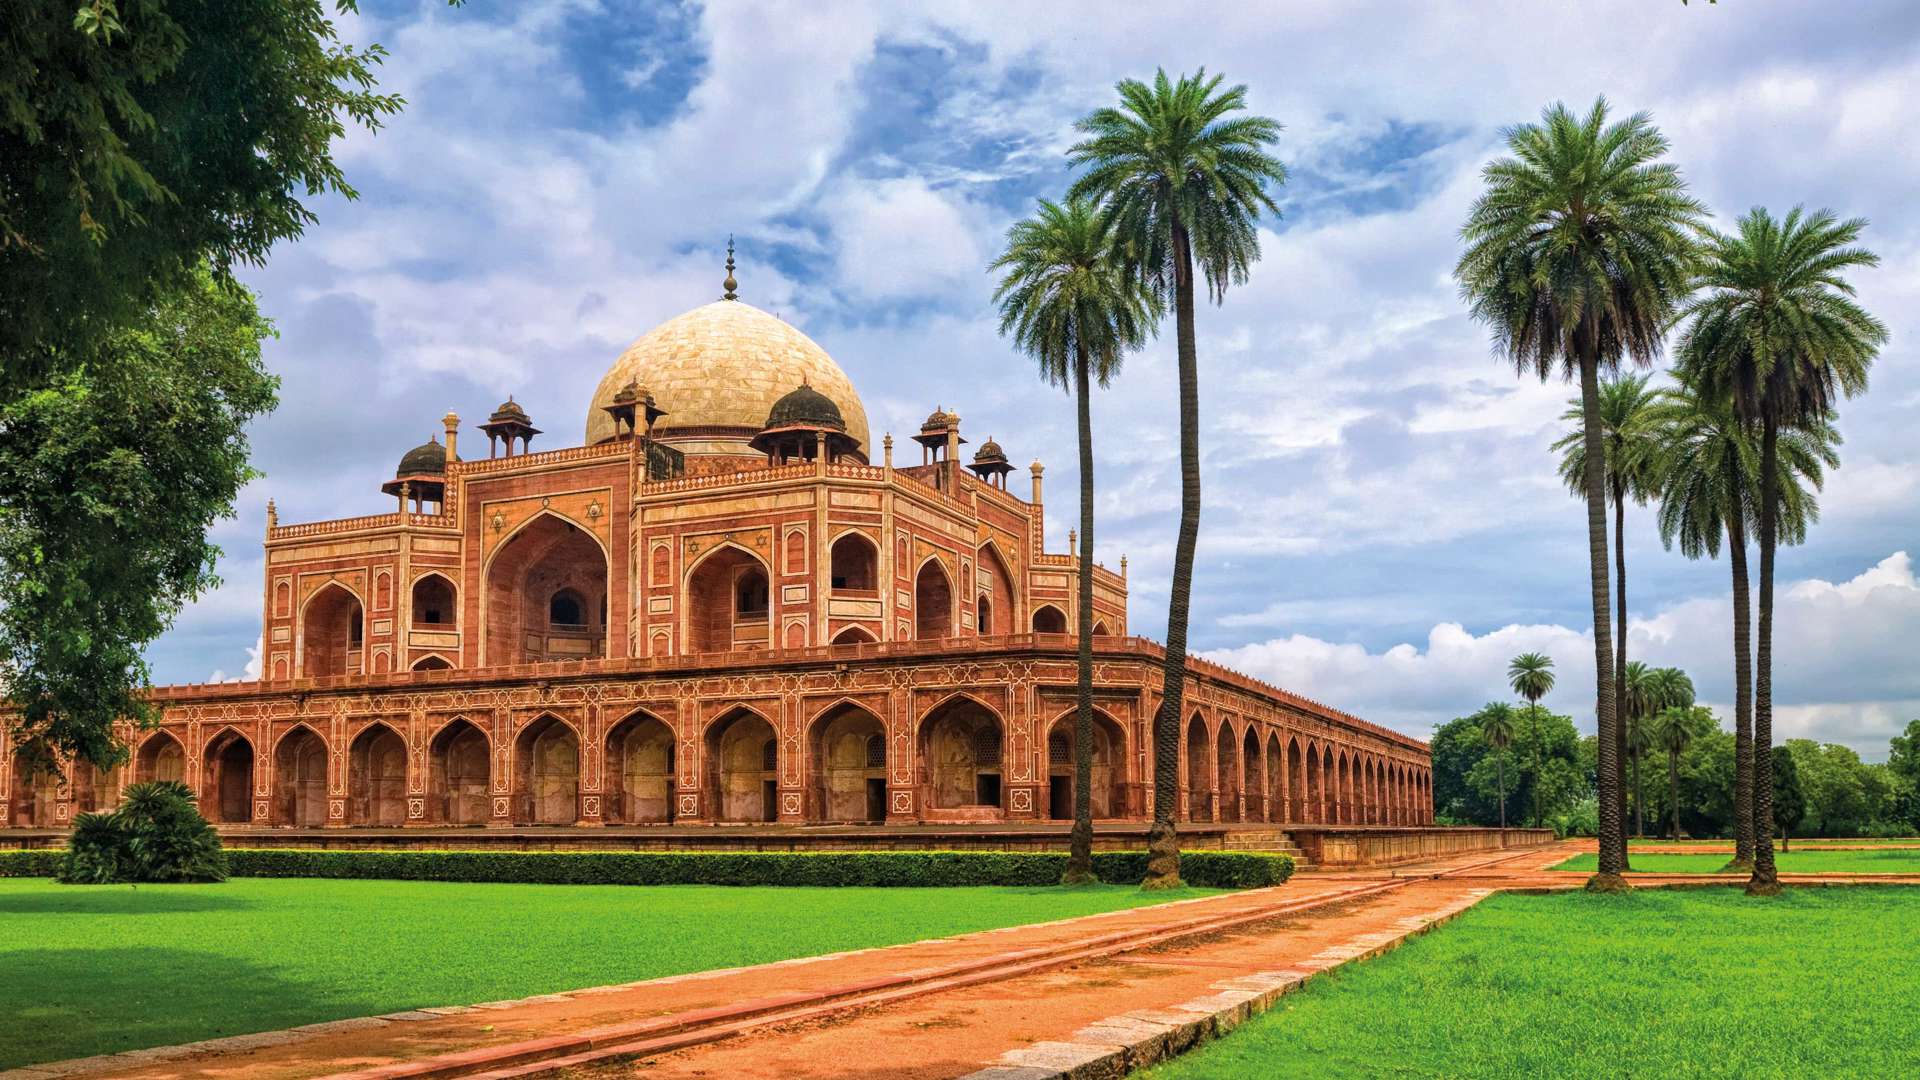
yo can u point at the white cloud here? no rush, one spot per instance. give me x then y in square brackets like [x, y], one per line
[1843, 669]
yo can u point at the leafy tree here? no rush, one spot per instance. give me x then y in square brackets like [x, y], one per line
[1066, 300]
[1778, 332]
[1467, 773]
[1709, 483]
[1496, 728]
[1673, 730]
[113, 472]
[1629, 469]
[1789, 802]
[1636, 710]
[1903, 754]
[1531, 676]
[1184, 182]
[1578, 253]
[1842, 795]
[143, 144]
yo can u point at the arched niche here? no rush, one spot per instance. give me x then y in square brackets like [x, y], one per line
[996, 603]
[226, 779]
[435, 602]
[548, 559]
[849, 754]
[743, 754]
[640, 772]
[300, 778]
[459, 780]
[962, 746]
[377, 777]
[333, 633]
[547, 773]
[1200, 775]
[932, 602]
[728, 602]
[855, 561]
[1107, 793]
[1048, 619]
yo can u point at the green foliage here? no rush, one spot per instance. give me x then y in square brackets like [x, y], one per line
[1064, 294]
[1580, 819]
[156, 835]
[1466, 771]
[142, 139]
[872, 869]
[144, 443]
[1844, 795]
[1658, 983]
[1173, 167]
[1797, 861]
[1629, 442]
[1789, 801]
[96, 852]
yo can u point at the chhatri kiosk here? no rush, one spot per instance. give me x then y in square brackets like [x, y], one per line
[725, 604]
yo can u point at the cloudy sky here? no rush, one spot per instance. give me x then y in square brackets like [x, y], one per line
[1383, 526]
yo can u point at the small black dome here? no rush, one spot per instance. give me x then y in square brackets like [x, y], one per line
[429, 457]
[510, 410]
[804, 406]
[990, 451]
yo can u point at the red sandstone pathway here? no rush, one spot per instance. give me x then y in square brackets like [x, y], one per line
[918, 1014]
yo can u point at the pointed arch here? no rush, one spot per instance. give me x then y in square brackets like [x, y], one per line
[640, 770]
[377, 776]
[226, 777]
[855, 635]
[1278, 777]
[544, 556]
[1107, 793]
[1253, 766]
[432, 662]
[933, 600]
[997, 591]
[546, 772]
[332, 632]
[459, 773]
[961, 743]
[435, 601]
[854, 563]
[743, 766]
[161, 756]
[300, 777]
[1227, 762]
[1048, 619]
[726, 600]
[847, 745]
[1200, 774]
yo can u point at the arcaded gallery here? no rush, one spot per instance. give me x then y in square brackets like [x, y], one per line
[725, 604]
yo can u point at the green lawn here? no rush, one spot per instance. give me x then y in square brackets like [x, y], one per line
[95, 969]
[1889, 861]
[1808, 842]
[1654, 983]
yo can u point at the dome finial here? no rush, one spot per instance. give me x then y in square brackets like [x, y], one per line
[730, 284]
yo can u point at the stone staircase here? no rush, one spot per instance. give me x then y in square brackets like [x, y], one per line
[1265, 838]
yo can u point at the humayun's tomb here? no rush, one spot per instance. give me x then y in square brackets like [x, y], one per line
[723, 606]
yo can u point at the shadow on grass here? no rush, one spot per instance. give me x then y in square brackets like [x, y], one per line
[69, 1003]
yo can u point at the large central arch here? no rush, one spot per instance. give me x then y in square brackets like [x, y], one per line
[743, 757]
[548, 574]
[962, 744]
[640, 772]
[332, 632]
[849, 747]
[728, 602]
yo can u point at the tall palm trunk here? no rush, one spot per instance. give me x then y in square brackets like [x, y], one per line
[1742, 698]
[1673, 788]
[1080, 847]
[1163, 842]
[1533, 713]
[1612, 780]
[1765, 880]
[1620, 628]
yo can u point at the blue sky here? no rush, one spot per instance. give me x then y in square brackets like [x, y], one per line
[1383, 526]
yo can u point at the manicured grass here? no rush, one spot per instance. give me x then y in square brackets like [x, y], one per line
[1808, 842]
[95, 969]
[1666, 983]
[1889, 861]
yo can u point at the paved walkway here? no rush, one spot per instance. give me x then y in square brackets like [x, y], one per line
[940, 1008]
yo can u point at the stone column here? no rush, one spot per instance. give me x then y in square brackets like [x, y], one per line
[792, 762]
[502, 771]
[592, 765]
[903, 765]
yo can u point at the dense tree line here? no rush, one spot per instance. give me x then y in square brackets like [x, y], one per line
[1820, 789]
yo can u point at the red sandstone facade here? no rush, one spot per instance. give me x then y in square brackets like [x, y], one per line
[717, 610]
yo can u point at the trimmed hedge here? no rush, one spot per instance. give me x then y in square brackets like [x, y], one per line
[1210, 869]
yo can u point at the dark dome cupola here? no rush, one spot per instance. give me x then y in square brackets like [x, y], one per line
[802, 421]
[421, 475]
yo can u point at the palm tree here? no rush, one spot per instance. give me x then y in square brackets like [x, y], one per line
[1777, 330]
[1065, 301]
[1578, 253]
[1635, 697]
[1639, 741]
[1709, 486]
[1631, 455]
[1183, 183]
[1531, 676]
[1496, 730]
[1673, 732]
